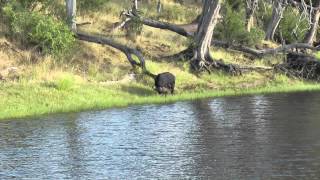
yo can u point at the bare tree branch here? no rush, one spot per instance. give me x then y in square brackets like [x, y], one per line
[126, 50]
[264, 52]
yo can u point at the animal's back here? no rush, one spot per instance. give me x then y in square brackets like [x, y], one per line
[165, 82]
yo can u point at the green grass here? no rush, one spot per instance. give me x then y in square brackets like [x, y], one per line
[29, 100]
[62, 91]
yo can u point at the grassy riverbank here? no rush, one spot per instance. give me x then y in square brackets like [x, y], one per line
[23, 99]
[93, 76]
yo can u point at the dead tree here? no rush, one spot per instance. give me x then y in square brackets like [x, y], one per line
[278, 8]
[251, 6]
[314, 16]
[203, 37]
[202, 59]
[135, 5]
[159, 6]
[71, 14]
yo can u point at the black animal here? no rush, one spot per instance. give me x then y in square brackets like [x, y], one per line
[164, 83]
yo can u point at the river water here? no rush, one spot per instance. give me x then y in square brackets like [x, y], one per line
[252, 137]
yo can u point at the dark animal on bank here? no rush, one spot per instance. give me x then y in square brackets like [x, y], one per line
[164, 83]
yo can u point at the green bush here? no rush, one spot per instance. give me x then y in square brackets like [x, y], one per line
[32, 28]
[64, 83]
[291, 28]
[134, 28]
[29, 4]
[317, 54]
[232, 29]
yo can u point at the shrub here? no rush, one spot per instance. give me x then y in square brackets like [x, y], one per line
[29, 4]
[32, 28]
[263, 15]
[64, 82]
[134, 28]
[291, 28]
[317, 54]
[233, 30]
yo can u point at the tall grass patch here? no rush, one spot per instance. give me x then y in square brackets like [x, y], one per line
[64, 82]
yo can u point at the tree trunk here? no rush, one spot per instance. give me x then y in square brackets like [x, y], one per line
[159, 6]
[202, 59]
[277, 14]
[311, 34]
[135, 5]
[250, 10]
[204, 34]
[71, 14]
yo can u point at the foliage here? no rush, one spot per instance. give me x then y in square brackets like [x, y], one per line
[292, 29]
[233, 30]
[45, 32]
[235, 4]
[65, 82]
[29, 4]
[263, 15]
[134, 28]
[317, 55]
[91, 4]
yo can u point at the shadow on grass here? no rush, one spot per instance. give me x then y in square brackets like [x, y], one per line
[140, 91]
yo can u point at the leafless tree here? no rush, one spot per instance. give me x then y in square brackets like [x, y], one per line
[203, 36]
[278, 8]
[251, 6]
[135, 5]
[314, 21]
[71, 13]
[159, 6]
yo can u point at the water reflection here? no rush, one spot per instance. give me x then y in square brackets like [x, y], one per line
[257, 137]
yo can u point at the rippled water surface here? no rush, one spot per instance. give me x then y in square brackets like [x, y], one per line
[256, 137]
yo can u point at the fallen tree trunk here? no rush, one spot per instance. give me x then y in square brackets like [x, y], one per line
[188, 32]
[250, 51]
[167, 26]
[157, 24]
[126, 50]
[261, 53]
[278, 8]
